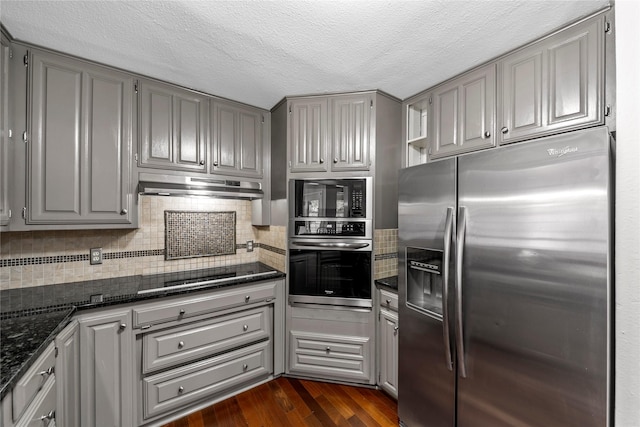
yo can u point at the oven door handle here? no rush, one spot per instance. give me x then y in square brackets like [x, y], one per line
[328, 245]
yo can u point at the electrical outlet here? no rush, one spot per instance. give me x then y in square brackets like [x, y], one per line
[95, 256]
[249, 245]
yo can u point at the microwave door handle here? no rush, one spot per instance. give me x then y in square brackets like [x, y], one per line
[462, 225]
[324, 245]
[448, 227]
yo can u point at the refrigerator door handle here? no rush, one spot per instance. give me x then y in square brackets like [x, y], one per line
[448, 228]
[462, 225]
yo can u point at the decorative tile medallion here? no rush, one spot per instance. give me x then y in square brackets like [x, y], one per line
[190, 234]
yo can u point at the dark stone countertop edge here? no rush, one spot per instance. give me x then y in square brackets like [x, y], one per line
[390, 283]
[28, 361]
[8, 384]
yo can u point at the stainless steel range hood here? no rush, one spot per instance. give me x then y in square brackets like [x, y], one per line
[179, 185]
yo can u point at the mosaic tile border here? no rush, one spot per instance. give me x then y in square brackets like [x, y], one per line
[18, 262]
[55, 259]
[379, 257]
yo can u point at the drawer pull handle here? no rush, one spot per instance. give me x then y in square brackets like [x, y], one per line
[47, 372]
[180, 389]
[181, 312]
[388, 302]
[51, 415]
[328, 349]
[245, 367]
[181, 344]
[504, 130]
[247, 298]
[245, 328]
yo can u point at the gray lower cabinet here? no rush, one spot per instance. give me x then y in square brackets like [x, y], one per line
[388, 355]
[237, 140]
[388, 329]
[173, 127]
[68, 376]
[464, 114]
[186, 384]
[79, 155]
[42, 411]
[554, 84]
[4, 133]
[106, 369]
[332, 345]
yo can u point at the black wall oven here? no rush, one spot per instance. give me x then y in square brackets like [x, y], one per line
[330, 273]
[330, 245]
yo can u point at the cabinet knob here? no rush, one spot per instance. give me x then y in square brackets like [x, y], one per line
[124, 212]
[181, 344]
[201, 162]
[487, 134]
[50, 416]
[215, 163]
[245, 367]
[181, 312]
[180, 389]
[328, 349]
[395, 329]
[123, 326]
[321, 160]
[245, 328]
[388, 302]
[247, 298]
[335, 160]
[47, 372]
[504, 130]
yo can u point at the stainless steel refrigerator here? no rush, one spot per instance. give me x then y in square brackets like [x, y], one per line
[505, 284]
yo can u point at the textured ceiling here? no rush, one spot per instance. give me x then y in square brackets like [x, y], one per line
[259, 51]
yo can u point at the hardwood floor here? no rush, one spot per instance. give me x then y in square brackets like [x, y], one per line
[293, 402]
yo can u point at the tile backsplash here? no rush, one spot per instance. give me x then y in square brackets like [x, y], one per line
[48, 257]
[385, 261]
[191, 234]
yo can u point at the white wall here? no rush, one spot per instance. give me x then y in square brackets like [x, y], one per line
[627, 277]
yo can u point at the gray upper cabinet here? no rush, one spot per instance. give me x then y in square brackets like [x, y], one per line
[307, 134]
[237, 140]
[554, 84]
[173, 127]
[350, 131]
[79, 158]
[464, 114]
[4, 134]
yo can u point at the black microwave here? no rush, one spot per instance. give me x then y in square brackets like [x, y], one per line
[343, 198]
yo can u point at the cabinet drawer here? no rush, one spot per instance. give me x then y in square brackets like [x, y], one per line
[42, 410]
[388, 300]
[330, 356]
[182, 344]
[33, 380]
[187, 307]
[179, 387]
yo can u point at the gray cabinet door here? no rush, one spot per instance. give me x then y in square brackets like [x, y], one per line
[554, 84]
[173, 127]
[68, 376]
[237, 140]
[4, 134]
[388, 357]
[464, 114]
[351, 132]
[79, 158]
[307, 134]
[106, 370]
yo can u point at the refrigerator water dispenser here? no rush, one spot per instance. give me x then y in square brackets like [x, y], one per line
[424, 281]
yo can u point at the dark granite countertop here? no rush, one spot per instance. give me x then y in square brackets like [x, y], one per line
[30, 318]
[388, 282]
